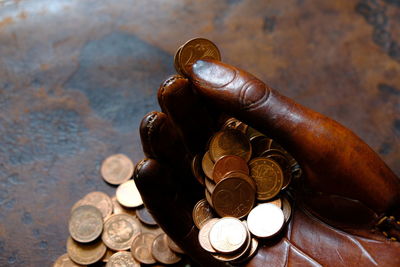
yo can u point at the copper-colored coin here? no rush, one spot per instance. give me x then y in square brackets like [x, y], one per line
[101, 201]
[210, 185]
[119, 231]
[252, 133]
[260, 144]
[122, 258]
[230, 142]
[176, 62]
[279, 157]
[117, 169]
[107, 255]
[85, 224]
[161, 252]
[227, 164]
[195, 49]
[242, 176]
[65, 261]
[155, 230]
[277, 202]
[265, 220]
[128, 195]
[141, 248]
[286, 208]
[117, 208]
[228, 235]
[85, 253]
[197, 169]
[202, 212]
[235, 124]
[208, 197]
[173, 246]
[207, 165]
[204, 235]
[233, 197]
[145, 217]
[268, 176]
[249, 255]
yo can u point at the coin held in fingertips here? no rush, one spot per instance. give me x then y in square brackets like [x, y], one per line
[162, 253]
[204, 234]
[229, 142]
[119, 231]
[228, 235]
[65, 261]
[265, 220]
[128, 195]
[227, 164]
[85, 224]
[85, 253]
[196, 49]
[141, 248]
[122, 258]
[207, 165]
[145, 217]
[117, 169]
[202, 212]
[268, 176]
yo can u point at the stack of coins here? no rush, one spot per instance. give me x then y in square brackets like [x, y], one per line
[117, 231]
[245, 175]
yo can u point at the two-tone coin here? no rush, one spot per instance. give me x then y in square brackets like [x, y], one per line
[117, 169]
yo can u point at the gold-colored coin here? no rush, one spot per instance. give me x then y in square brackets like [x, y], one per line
[230, 142]
[99, 200]
[119, 231]
[208, 197]
[277, 202]
[279, 157]
[118, 208]
[202, 212]
[196, 49]
[122, 258]
[235, 124]
[65, 261]
[107, 255]
[85, 223]
[161, 252]
[268, 176]
[141, 248]
[173, 246]
[265, 220]
[228, 235]
[117, 169]
[210, 185]
[252, 133]
[204, 234]
[197, 169]
[207, 164]
[176, 62]
[286, 208]
[85, 253]
[128, 195]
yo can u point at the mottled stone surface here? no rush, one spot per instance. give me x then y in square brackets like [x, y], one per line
[77, 76]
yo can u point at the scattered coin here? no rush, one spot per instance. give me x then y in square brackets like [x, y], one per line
[119, 231]
[85, 224]
[228, 235]
[207, 165]
[145, 216]
[230, 142]
[101, 201]
[193, 50]
[265, 220]
[117, 169]
[141, 248]
[122, 258]
[204, 234]
[128, 195]
[173, 246]
[85, 253]
[162, 253]
[268, 176]
[117, 208]
[227, 164]
[233, 197]
[65, 261]
[202, 212]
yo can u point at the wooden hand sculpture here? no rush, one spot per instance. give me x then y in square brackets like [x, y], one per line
[346, 190]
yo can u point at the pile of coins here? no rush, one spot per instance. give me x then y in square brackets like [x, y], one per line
[117, 231]
[245, 175]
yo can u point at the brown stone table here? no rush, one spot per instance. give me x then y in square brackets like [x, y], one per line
[76, 76]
